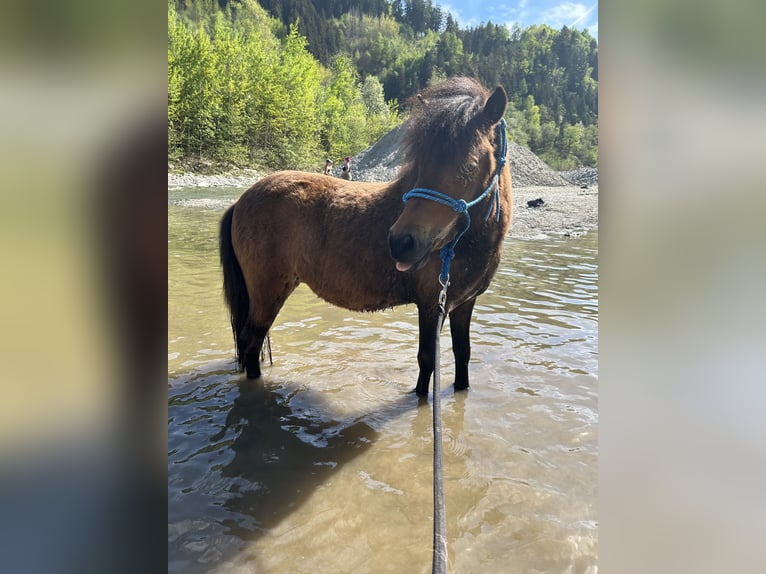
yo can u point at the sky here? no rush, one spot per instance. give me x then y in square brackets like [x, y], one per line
[554, 13]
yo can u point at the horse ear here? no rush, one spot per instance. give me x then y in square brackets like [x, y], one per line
[494, 109]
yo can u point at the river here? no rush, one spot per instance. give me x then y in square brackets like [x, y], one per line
[325, 464]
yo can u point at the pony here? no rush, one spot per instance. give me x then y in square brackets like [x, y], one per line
[372, 246]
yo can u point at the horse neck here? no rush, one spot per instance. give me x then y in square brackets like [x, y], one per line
[398, 187]
[483, 228]
[506, 198]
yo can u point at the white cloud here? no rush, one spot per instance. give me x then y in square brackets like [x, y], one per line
[463, 21]
[450, 9]
[571, 13]
[566, 14]
[587, 13]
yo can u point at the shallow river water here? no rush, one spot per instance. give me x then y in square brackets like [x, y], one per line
[325, 464]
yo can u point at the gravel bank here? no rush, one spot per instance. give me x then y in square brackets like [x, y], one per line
[582, 176]
[567, 210]
[244, 179]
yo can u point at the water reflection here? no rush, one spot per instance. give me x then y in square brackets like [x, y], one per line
[272, 452]
[282, 456]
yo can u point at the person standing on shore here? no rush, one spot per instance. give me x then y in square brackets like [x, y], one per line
[328, 167]
[346, 171]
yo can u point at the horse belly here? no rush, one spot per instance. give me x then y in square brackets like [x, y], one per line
[354, 295]
[356, 289]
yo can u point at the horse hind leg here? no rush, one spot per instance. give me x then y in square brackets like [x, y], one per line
[251, 355]
[266, 300]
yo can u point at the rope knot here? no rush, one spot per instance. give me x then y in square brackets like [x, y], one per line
[460, 206]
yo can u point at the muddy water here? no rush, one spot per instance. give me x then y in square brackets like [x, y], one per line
[324, 465]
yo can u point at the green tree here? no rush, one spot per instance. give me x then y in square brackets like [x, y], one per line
[381, 116]
[517, 124]
[373, 97]
[449, 53]
[343, 111]
[295, 121]
[229, 142]
[176, 38]
[533, 126]
[194, 98]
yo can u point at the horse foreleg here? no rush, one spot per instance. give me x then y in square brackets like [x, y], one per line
[427, 323]
[459, 326]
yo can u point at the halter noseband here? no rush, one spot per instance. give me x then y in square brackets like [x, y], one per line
[461, 206]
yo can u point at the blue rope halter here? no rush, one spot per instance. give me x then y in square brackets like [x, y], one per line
[461, 206]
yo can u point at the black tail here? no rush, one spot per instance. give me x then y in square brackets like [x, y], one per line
[234, 289]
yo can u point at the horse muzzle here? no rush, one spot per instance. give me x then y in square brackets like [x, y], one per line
[408, 250]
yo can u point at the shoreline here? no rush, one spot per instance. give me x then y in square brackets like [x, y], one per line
[189, 179]
[569, 211]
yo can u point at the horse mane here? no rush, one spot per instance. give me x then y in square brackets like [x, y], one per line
[439, 128]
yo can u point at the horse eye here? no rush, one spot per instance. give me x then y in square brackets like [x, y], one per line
[470, 166]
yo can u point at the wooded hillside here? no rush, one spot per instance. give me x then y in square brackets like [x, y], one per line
[283, 83]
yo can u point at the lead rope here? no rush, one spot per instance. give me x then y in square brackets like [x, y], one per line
[439, 565]
[447, 253]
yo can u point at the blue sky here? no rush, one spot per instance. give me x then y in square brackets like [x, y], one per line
[555, 13]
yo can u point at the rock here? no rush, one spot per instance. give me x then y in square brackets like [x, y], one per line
[529, 170]
[382, 160]
[584, 176]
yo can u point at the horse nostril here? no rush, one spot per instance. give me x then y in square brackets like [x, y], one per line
[401, 245]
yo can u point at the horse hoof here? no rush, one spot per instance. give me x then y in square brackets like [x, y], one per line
[253, 373]
[461, 386]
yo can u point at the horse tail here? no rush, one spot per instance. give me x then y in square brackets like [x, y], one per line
[234, 288]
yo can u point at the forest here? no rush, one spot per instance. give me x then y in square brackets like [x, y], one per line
[279, 84]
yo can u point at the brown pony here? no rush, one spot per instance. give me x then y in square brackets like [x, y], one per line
[360, 246]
